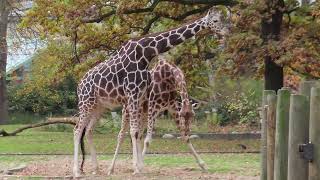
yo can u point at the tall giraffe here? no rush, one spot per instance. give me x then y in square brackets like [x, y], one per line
[122, 80]
[167, 83]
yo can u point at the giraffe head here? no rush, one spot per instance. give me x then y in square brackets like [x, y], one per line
[186, 114]
[215, 21]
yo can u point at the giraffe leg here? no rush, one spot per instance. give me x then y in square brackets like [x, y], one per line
[134, 132]
[152, 114]
[139, 141]
[79, 128]
[185, 137]
[89, 134]
[200, 162]
[124, 126]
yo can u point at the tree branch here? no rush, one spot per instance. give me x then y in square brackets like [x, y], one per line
[210, 3]
[291, 10]
[148, 26]
[303, 73]
[184, 15]
[130, 11]
[98, 19]
[71, 121]
[75, 46]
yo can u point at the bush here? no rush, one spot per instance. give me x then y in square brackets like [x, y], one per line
[236, 101]
[59, 99]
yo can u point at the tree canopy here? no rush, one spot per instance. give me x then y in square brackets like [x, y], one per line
[91, 30]
[296, 48]
[83, 33]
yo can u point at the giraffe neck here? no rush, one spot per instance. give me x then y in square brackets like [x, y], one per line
[154, 45]
[184, 94]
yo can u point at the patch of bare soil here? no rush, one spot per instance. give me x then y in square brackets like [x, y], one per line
[62, 167]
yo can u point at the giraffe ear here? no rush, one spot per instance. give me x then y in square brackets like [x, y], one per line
[213, 10]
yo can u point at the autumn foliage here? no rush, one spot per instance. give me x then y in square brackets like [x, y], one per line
[297, 49]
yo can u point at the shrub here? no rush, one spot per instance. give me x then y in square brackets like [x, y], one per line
[59, 99]
[236, 101]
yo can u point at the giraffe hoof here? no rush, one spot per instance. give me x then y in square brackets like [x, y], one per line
[110, 172]
[203, 167]
[140, 166]
[77, 175]
[136, 172]
[95, 172]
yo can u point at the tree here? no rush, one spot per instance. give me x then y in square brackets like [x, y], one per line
[270, 31]
[4, 12]
[274, 39]
[94, 29]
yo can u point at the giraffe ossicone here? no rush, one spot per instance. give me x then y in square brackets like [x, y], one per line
[122, 81]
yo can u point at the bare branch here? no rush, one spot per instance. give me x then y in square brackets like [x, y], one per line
[210, 3]
[113, 12]
[291, 10]
[75, 46]
[148, 26]
[184, 15]
[98, 19]
[56, 121]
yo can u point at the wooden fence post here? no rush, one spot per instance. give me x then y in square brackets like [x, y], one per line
[271, 128]
[282, 133]
[264, 135]
[305, 87]
[314, 168]
[298, 134]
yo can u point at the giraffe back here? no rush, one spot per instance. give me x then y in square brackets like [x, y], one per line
[168, 91]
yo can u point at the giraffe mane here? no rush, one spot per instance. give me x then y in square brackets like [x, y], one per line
[157, 33]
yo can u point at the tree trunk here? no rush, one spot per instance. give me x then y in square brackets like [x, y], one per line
[4, 12]
[273, 75]
[270, 30]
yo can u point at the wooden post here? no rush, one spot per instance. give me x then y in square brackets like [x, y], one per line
[282, 133]
[314, 168]
[271, 129]
[264, 135]
[298, 134]
[305, 87]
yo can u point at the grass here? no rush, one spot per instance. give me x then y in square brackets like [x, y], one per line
[164, 124]
[42, 141]
[240, 164]
[39, 141]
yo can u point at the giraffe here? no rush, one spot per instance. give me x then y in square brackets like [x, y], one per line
[166, 82]
[122, 81]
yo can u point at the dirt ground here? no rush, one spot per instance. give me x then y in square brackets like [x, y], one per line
[61, 168]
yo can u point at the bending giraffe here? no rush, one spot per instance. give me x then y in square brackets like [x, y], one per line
[122, 81]
[166, 81]
[167, 86]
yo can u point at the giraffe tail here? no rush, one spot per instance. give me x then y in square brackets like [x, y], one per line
[82, 148]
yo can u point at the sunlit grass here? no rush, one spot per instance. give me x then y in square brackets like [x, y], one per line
[37, 141]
